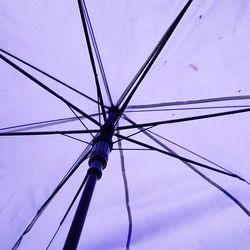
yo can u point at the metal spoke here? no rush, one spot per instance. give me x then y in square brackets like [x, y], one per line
[125, 182]
[134, 84]
[39, 124]
[201, 157]
[43, 124]
[76, 139]
[185, 119]
[80, 121]
[99, 60]
[225, 192]
[48, 89]
[72, 170]
[132, 149]
[92, 60]
[184, 109]
[68, 210]
[177, 103]
[147, 131]
[178, 157]
[48, 75]
[49, 132]
[133, 134]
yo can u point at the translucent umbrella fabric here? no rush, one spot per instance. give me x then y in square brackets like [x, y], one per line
[203, 69]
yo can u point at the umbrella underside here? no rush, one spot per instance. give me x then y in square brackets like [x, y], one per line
[169, 79]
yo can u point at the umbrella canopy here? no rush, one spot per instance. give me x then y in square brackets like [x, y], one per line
[177, 176]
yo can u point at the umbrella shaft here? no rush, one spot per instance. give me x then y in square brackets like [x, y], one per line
[81, 213]
[101, 148]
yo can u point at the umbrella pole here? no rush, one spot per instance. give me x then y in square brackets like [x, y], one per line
[102, 145]
[81, 213]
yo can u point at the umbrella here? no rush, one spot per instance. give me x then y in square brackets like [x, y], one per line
[167, 81]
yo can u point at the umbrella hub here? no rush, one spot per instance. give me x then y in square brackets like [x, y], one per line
[102, 146]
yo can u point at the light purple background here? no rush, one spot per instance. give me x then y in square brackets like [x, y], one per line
[172, 207]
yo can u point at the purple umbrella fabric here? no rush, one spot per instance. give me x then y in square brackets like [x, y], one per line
[182, 183]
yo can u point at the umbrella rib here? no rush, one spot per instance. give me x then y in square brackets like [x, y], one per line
[135, 133]
[224, 191]
[48, 75]
[150, 61]
[178, 145]
[228, 194]
[165, 104]
[80, 121]
[99, 113]
[61, 132]
[125, 182]
[74, 167]
[98, 56]
[39, 124]
[131, 149]
[15, 66]
[185, 119]
[76, 139]
[179, 157]
[147, 131]
[68, 210]
[42, 123]
[99, 93]
[184, 109]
